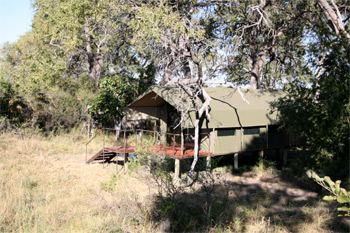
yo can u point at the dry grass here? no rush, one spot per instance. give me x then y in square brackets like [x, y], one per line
[45, 186]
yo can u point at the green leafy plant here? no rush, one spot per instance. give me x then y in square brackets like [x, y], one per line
[12, 106]
[337, 193]
[319, 113]
[114, 95]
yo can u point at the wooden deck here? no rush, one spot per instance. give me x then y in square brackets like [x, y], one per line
[108, 153]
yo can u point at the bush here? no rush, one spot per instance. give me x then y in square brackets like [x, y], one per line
[338, 194]
[110, 103]
[184, 205]
[320, 114]
[14, 109]
[57, 111]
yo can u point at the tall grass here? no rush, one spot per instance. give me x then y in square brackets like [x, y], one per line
[45, 186]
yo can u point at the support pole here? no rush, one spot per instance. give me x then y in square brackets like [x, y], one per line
[208, 163]
[141, 138]
[116, 163]
[235, 161]
[173, 145]
[182, 142]
[285, 157]
[261, 159]
[126, 156]
[177, 169]
[103, 149]
[88, 129]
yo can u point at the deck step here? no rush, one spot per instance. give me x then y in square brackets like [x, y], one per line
[100, 156]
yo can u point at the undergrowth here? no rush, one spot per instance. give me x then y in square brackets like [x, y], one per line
[45, 186]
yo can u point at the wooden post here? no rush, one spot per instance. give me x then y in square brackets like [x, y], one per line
[235, 161]
[261, 161]
[208, 163]
[116, 163]
[242, 135]
[103, 149]
[267, 136]
[88, 129]
[177, 169]
[285, 157]
[173, 145]
[278, 158]
[182, 142]
[154, 136]
[141, 138]
[126, 156]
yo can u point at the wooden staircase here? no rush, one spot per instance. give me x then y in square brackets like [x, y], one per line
[104, 156]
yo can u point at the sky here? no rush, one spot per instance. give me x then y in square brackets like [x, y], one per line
[15, 19]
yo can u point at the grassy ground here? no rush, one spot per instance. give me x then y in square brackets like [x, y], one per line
[45, 186]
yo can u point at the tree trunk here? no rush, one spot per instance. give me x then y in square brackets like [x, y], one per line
[95, 64]
[95, 61]
[196, 144]
[199, 115]
[257, 70]
[166, 75]
[334, 16]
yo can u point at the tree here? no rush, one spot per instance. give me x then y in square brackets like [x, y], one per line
[320, 111]
[91, 34]
[114, 95]
[72, 46]
[338, 16]
[171, 34]
[263, 41]
[12, 106]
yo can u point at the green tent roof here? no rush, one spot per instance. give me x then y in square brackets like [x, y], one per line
[228, 109]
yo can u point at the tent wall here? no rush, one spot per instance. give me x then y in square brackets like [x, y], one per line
[232, 140]
[254, 141]
[207, 140]
[227, 140]
[142, 113]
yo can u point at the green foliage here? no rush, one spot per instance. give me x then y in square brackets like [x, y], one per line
[265, 165]
[57, 111]
[109, 185]
[54, 65]
[187, 204]
[109, 106]
[152, 21]
[190, 208]
[269, 33]
[337, 193]
[320, 113]
[12, 106]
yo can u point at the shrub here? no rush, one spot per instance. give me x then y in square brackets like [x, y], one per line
[14, 108]
[338, 194]
[57, 111]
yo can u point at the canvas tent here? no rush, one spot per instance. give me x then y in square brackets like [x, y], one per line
[233, 126]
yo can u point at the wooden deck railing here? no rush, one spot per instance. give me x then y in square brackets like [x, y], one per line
[139, 136]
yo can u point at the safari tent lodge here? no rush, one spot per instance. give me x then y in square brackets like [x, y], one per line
[240, 121]
[236, 123]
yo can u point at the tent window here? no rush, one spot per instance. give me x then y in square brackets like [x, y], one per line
[251, 131]
[226, 132]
